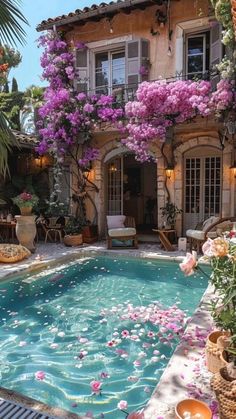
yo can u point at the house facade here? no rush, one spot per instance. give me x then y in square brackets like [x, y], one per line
[128, 42]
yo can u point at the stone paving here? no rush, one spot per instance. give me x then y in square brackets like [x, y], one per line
[186, 365]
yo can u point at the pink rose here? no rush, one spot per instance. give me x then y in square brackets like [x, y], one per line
[220, 247]
[96, 386]
[188, 264]
[122, 405]
[40, 375]
[207, 248]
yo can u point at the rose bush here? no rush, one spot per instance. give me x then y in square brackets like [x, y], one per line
[221, 253]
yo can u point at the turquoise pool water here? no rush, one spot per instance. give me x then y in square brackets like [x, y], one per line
[116, 321]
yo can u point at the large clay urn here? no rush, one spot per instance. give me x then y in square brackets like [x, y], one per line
[26, 231]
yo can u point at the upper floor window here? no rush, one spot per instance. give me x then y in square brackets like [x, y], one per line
[113, 68]
[197, 55]
[109, 70]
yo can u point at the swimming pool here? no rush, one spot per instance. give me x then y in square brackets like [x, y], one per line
[95, 332]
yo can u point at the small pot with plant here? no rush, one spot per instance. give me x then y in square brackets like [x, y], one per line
[73, 235]
[170, 212]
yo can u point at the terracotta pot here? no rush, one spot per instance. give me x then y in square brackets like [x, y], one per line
[193, 406]
[214, 359]
[90, 234]
[73, 240]
[225, 390]
[25, 210]
[26, 231]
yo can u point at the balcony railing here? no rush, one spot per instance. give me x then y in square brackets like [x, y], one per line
[125, 93]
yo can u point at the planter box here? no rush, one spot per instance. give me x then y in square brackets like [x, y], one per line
[90, 234]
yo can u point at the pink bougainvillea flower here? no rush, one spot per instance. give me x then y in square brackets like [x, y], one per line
[137, 363]
[125, 333]
[133, 378]
[122, 405]
[96, 386]
[188, 264]
[22, 343]
[40, 375]
[136, 415]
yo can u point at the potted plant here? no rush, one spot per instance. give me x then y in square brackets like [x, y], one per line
[73, 236]
[26, 201]
[170, 212]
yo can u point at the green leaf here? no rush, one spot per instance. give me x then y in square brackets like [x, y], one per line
[11, 20]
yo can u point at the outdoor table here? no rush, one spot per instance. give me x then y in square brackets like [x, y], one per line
[163, 235]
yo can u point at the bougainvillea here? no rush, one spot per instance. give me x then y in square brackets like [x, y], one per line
[68, 117]
[160, 105]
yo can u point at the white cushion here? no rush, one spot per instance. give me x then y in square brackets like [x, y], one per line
[196, 234]
[115, 221]
[212, 235]
[207, 223]
[122, 232]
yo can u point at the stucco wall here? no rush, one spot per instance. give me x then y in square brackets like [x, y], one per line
[139, 24]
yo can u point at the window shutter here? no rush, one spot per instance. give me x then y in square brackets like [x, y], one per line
[216, 45]
[137, 58]
[82, 67]
[179, 56]
[215, 50]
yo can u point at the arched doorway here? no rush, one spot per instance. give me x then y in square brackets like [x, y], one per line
[132, 190]
[202, 185]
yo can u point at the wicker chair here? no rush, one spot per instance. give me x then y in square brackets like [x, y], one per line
[211, 228]
[122, 234]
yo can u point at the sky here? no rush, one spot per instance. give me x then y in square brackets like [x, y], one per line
[29, 71]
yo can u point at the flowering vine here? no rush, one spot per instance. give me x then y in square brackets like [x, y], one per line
[160, 105]
[68, 117]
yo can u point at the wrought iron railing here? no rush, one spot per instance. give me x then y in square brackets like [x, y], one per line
[125, 93]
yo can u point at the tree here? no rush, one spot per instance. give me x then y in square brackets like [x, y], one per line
[11, 32]
[33, 98]
[14, 86]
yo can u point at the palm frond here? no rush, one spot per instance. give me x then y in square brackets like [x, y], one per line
[7, 141]
[11, 20]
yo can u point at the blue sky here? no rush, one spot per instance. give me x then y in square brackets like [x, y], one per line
[29, 71]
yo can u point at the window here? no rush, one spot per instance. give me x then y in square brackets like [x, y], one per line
[109, 71]
[197, 55]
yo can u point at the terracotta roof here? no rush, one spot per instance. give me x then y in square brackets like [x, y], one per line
[26, 140]
[95, 12]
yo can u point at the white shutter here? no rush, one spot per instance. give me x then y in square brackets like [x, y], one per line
[216, 45]
[215, 51]
[82, 67]
[137, 55]
[179, 56]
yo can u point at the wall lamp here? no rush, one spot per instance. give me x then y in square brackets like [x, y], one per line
[161, 18]
[38, 161]
[113, 168]
[169, 171]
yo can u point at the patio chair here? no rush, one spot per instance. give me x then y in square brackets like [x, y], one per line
[121, 232]
[55, 228]
[211, 228]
